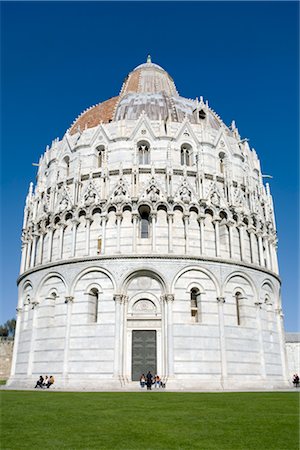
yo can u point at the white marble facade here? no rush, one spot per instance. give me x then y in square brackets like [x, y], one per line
[150, 214]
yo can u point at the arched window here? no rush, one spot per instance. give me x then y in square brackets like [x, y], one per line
[195, 304]
[221, 162]
[100, 156]
[66, 161]
[144, 152]
[93, 304]
[145, 225]
[186, 155]
[238, 300]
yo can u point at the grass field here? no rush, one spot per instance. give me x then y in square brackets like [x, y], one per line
[149, 420]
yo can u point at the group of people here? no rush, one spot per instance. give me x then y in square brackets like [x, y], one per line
[44, 382]
[296, 380]
[149, 380]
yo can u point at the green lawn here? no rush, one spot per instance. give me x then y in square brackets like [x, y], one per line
[149, 420]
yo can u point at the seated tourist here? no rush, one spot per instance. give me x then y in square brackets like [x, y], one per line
[39, 382]
[45, 381]
[296, 380]
[50, 381]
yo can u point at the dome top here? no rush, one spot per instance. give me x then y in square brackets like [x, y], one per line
[150, 89]
[149, 78]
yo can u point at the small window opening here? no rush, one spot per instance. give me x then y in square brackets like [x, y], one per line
[238, 299]
[195, 298]
[202, 114]
[99, 245]
[186, 155]
[100, 156]
[94, 299]
[144, 153]
[67, 165]
[221, 162]
[145, 225]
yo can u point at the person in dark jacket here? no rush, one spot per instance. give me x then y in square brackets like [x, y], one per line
[149, 380]
[39, 382]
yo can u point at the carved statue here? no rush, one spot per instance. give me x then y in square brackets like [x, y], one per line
[185, 194]
[153, 193]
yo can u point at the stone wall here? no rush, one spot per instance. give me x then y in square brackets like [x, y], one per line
[6, 351]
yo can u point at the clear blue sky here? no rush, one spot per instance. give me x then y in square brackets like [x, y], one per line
[60, 58]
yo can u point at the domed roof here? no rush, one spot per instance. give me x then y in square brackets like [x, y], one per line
[150, 89]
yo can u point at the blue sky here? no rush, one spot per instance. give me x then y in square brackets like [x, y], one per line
[59, 58]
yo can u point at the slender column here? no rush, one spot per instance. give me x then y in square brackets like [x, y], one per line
[23, 257]
[40, 256]
[170, 232]
[217, 236]
[50, 243]
[200, 219]
[103, 224]
[16, 341]
[153, 222]
[281, 333]
[186, 232]
[118, 301]
[221, 301]
[230, 224]
[74, 232]
[121, 340]
[260, 338]
[28, 254]
[33, 337]
[251, 243]
[169, 298]
[274, 256]
[61, 241]
[266, 242]
[261, 251]
[134, 237]
[119, 218]
[33, 250]
[87, 235]
[242, 237]
[69, 302]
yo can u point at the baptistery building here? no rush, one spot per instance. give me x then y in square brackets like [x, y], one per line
[149, 243]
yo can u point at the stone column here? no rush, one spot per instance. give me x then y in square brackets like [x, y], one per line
[169, 298]
[69, 302]
[16, 341]
[260, 250]
[153, 222]
[33, 338]
[200, 219]
[61, 241]
[260, 338]
[251, 243]
[281, 334]
[23, 257]
[87, 235]
[74, 232]
[221, 301]
[266, 242]
[217, 235]
[230, 224]
[103, 225]
[28, 254]
[50, 243]
[33, 250]
[117, 357]
[242, 243]
[170, 217]
[119, 218]
[41, 247]
[135, 216]
[186, 232]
